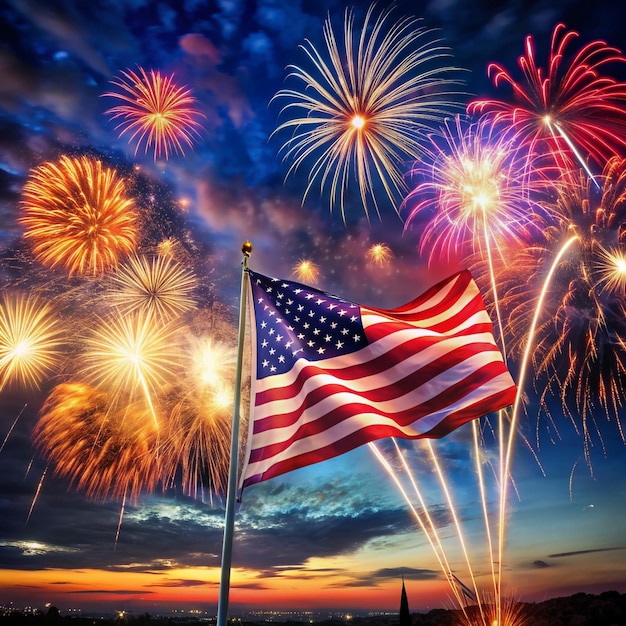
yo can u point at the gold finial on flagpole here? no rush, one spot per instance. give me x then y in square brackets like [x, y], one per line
[246, 248]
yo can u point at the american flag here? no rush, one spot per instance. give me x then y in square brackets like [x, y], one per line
[331, 375]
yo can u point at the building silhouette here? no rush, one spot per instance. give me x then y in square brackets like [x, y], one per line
[405, 614]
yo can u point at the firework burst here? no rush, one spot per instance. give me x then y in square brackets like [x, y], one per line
[306, 271]
[579, 353]
[132, 356]
[379, 254]
[572, 105]
[29, 341]
[157, 113]
[363, 107]
[197, 446]
[158, 287]
[104, 452]
[77, 214]
[475, 191]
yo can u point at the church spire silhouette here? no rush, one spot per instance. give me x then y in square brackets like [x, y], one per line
[405, 614]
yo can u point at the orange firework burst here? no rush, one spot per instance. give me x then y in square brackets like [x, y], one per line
[158, 112]
[306, 270]
[103, 452]
[379, 253]
[77, 214]
[29, 341]
[160, 287]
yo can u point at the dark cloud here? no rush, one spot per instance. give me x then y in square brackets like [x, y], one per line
[579, 552]
[183, 583]
[372, 579]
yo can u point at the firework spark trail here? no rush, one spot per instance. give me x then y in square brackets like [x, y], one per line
[520, 385]
[483, 500]
[478, 184]
[365, 110]
[158, 112]
[429, 531]
[77, 214]
[573, 91]
[444, 486]
[580, 356]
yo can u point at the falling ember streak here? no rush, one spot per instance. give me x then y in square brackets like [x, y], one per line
[119, 522]
[575, 152]
[36, 496]
[12, 427]
[571, 481]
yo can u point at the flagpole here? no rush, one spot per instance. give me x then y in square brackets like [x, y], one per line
[229, 518]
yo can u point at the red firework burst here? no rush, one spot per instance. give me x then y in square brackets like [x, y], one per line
[157, 112]
[573, 109]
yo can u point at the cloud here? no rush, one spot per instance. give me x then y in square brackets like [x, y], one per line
[181, 582]
[111, 592]
[82, 30]
[199, 45]
[372, 579]
[579, 552]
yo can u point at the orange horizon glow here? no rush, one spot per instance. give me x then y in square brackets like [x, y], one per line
[92, 587]
[187, 589]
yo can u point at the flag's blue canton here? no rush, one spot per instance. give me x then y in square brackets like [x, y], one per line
[295, 321]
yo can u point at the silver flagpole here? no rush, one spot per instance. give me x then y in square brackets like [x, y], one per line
[231, 495]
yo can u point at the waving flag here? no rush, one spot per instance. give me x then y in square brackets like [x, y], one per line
[330, 375]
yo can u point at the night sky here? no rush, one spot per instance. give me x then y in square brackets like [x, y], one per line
[338, 534]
